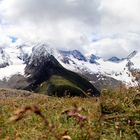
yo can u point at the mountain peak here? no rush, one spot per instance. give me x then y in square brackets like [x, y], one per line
[93, 58]
[75, 53]
[114, 59]
[39, 53]
[131, 55]
[37, 56]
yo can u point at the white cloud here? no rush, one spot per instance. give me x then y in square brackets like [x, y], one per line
[71, 24]
[63, 23]
[4, 39]
[118, 45]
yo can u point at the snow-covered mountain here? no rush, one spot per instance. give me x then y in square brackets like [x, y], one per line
[4, 58]
[114, 59]
[75, 53]
[120, 70]
[93, 59]
[13, 61]
[16, 58]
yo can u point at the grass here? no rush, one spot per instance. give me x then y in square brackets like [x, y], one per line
[120, 114]
[33, 127]
[113, 116]
[58, 85]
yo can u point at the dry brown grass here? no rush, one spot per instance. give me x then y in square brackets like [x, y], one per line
[42, 117]
[114, 116]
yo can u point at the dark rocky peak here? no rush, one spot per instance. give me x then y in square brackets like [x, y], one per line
[131, 55]
[40, 53]
[114, 59]
[93, 58]
[41, 64]
[75, 53]
[130, 65]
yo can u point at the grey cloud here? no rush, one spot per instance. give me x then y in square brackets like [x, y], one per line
[52, 10]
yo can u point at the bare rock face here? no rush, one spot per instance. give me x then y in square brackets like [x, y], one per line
[16, 81]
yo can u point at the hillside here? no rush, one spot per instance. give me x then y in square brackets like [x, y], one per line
[46, 75]
[115, 115]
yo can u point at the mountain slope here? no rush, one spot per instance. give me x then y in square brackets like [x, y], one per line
[95, 68]
[45, 72]
[121, 71]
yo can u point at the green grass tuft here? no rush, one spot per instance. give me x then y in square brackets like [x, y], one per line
[59, 86]
[113, 116]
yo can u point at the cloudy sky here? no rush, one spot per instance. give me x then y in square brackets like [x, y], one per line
[103, 27]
